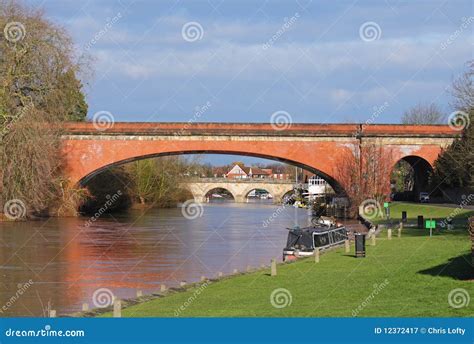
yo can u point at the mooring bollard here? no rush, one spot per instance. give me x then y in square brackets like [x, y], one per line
[85, 307]
[163, 288]
[347, 246]
[316, 255]
[139, 293]
[52, 313]
[389, 234]
[117, 308]
[372, 239]
[273, 271]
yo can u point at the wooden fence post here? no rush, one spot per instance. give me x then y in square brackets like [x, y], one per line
[117, 308]
[274, 268]
[85, 307]
[347, 246]
[389, 234]
[316, 255]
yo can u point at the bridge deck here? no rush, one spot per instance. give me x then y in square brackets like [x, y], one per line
[254, 129]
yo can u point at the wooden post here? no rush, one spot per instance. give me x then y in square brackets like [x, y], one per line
[471, 232]
[235, 271]
[316, 255]
[182, 283]
[85, 307]
[249, 268]
[400, 230]
[220, 274]
[372, 239]
[274, 268]
[203, 278]
[163, 288]
[117, 308]
[52, 313]
[347, 246]
[389, 234]
[139, 293]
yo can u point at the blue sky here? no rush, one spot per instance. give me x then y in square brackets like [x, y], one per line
[322, 66]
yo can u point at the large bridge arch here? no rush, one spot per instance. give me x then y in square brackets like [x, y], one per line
[314, 147]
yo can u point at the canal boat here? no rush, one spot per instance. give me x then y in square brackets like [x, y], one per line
[302, 242]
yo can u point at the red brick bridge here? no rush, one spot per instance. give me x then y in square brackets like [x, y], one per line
[89, 149]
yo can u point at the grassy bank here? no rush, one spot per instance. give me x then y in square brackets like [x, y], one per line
[408, 276]
[438, 213]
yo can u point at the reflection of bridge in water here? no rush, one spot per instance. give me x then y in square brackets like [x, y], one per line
[238, 188]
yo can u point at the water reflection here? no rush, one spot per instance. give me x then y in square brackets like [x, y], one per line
[68, 261]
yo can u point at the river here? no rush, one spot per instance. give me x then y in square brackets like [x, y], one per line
[65, 262]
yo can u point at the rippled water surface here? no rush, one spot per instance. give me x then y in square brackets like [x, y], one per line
[68, 261]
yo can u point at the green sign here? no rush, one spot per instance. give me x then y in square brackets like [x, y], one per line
[430, 224]
[386, 204]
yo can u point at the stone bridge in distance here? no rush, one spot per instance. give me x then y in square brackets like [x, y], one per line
[238, 188]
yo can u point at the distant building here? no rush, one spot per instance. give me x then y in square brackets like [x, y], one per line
[244, 172]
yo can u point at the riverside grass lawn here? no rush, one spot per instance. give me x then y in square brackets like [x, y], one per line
[411, 276]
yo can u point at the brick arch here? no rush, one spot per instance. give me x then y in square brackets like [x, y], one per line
[92, 158]
[422, 169]
[314, 147]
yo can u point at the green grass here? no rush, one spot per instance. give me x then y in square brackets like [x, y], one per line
[437, 213]
[420, 272]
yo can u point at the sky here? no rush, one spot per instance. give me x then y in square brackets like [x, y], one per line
[259, 61]
[243, 61]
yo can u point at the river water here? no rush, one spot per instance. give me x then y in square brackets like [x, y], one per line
[65, 262]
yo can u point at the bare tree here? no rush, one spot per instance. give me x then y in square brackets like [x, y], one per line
[462, 90]
[39, 90]
[423, 114]
[365, 175]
